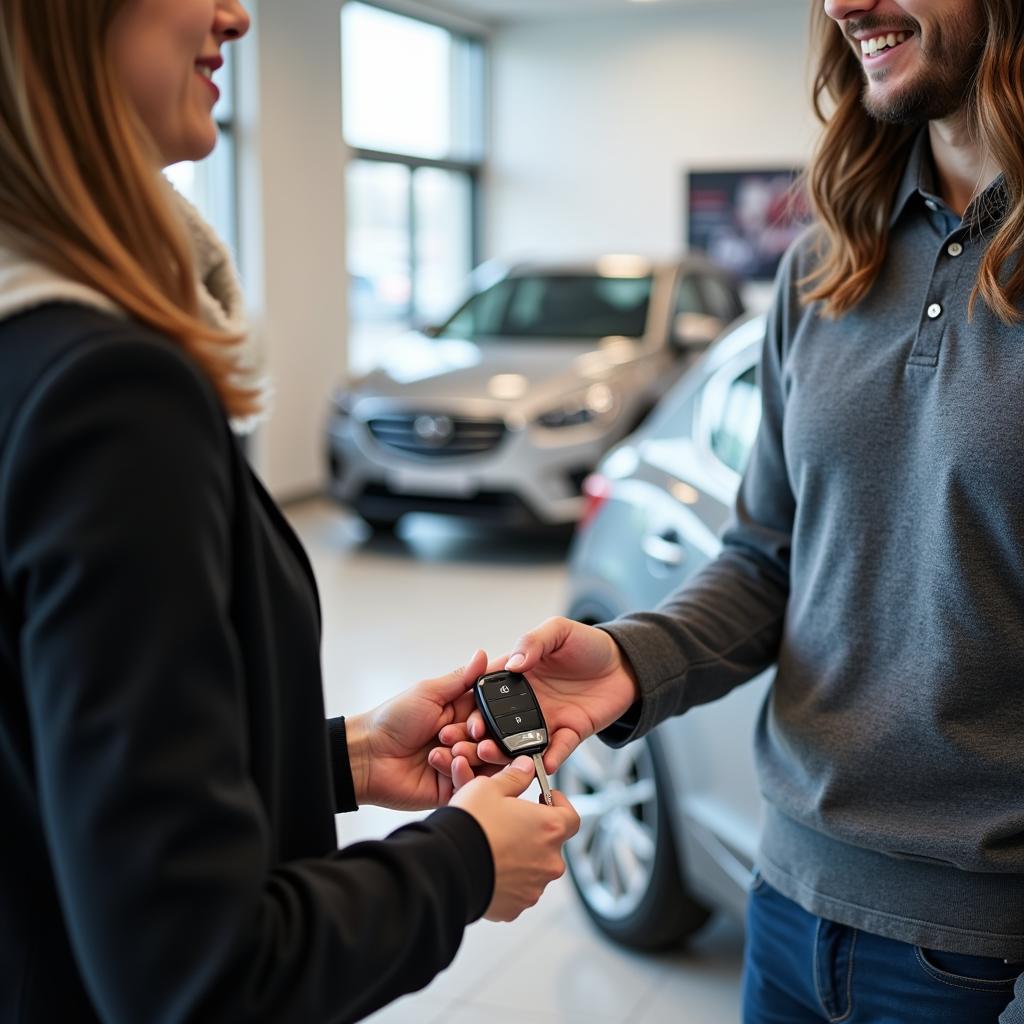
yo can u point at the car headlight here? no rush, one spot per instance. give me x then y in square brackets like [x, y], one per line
[594, 404]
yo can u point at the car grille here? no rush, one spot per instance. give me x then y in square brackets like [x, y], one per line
[436, 436]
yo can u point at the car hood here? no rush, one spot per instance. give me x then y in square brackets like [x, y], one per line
[507, 370]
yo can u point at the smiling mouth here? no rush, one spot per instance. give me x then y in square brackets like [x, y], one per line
[883, 43]
[206, 74]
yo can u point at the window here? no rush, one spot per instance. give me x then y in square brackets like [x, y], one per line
[410, 87]
[556, 306]
[379, 242]
[413, 115]
[733, 435]
[688, 297]
[210, 185]
[723, 300]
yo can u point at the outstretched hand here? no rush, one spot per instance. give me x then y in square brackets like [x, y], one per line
[389, 746]
[583, 683]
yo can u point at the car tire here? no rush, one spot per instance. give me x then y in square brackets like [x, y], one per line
[639, 901]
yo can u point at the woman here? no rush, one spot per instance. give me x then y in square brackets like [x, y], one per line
[167, 782]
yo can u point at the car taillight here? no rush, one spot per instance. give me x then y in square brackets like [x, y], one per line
[596, 489]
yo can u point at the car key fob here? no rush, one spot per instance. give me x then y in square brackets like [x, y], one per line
[514, 719]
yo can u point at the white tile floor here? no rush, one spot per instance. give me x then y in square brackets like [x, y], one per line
[400, 609]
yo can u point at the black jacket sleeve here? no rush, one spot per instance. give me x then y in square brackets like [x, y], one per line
[341, 767]
[115, 511]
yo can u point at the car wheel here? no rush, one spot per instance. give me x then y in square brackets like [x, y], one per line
[623, 860]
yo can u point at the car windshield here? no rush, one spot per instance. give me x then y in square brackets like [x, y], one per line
[583, 306]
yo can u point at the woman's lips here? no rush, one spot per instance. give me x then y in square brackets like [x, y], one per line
[209, 83]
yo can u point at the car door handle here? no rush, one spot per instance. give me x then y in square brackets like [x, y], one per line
[665, 548]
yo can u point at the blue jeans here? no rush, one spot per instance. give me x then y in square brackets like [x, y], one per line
[801, 969]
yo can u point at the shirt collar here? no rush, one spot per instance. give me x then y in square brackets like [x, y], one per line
[919, 181]
[918, 176]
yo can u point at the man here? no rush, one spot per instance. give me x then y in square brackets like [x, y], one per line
[876, 553]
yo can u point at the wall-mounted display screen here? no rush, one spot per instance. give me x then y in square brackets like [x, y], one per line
[745, 220]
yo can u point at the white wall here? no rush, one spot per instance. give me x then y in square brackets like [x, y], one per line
[292, 226]
[596, 119]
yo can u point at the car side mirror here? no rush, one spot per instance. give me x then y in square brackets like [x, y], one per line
[695, 330]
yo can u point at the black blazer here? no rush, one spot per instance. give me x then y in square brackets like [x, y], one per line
[167, 839]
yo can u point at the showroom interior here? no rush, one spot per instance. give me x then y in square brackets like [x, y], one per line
[373, 153]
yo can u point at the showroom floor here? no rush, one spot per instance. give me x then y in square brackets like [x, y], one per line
[400, 609]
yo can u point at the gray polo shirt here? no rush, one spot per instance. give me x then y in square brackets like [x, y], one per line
[877, 556]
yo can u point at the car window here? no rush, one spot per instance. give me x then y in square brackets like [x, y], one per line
[721, 298]
[733, 433]
[688, 297]
[584, 306]
[482, 315]
[673, 416]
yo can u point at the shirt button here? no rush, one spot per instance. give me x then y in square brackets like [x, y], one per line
[955, 248]
[931, 204]
[934, 310]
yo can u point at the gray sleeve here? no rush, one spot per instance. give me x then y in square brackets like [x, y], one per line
[724, 625]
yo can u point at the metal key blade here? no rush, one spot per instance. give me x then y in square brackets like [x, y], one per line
[542, 778]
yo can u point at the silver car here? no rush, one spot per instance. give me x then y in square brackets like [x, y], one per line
[669, 824]
[502, 412]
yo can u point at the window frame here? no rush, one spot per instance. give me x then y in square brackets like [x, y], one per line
[473, 169]
[228, 134]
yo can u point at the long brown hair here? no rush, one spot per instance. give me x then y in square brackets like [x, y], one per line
[79, 190]
[854, 173]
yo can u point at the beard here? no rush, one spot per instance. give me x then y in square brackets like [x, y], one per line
[942, 86]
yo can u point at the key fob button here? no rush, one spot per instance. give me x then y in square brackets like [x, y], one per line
[510, 704]
[509, 725]
[505, 691]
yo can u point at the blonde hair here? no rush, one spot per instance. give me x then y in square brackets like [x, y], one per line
[79, 189]
[854, 174]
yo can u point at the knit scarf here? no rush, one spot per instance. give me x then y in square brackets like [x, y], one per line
[25, 284]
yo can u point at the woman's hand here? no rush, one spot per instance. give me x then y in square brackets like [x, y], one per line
[583, 683]
[388, 746]
[525, 838]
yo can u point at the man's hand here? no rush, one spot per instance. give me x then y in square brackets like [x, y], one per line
[583, 683]
[526, 839]
[388, 746]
